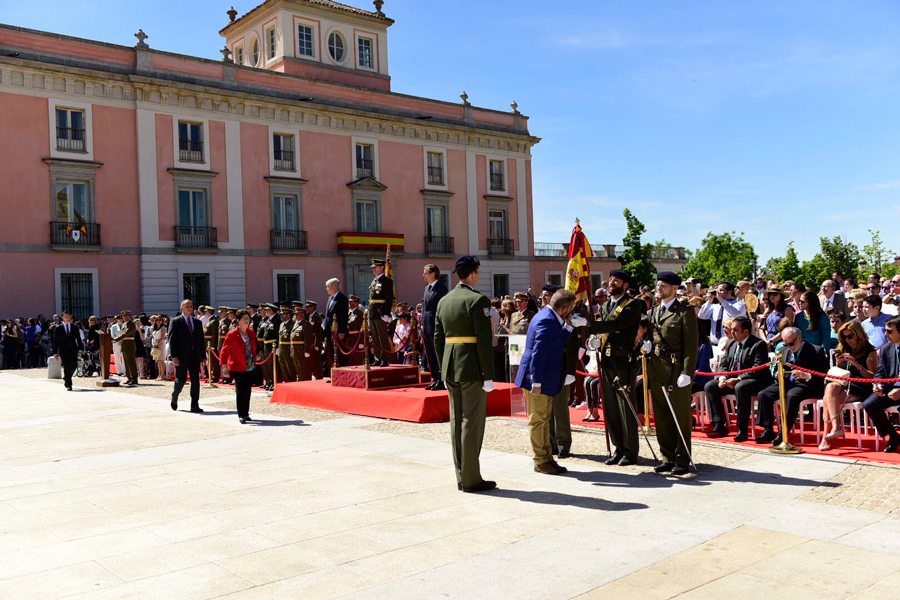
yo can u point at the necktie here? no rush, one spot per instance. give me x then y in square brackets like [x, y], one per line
[190, 323]
[67, 329]
[662, 310]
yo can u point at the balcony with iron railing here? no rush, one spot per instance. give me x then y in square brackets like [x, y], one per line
[70, 140]
[74, 235]
[364, 168]
[198, 238]
[496, 182]
[284, 160]
[500, 247]
[435, 175]
[438, 244]
[289, 240]
[190, 151]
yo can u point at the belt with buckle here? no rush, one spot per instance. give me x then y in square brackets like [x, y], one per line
[471, 339]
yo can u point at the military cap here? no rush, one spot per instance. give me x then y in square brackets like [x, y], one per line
[668, 277]
[520, 297]
[285, 310]
[312, 303]
[110, 317]
[296, 303]
[354, 298]
[210, 309]
[125, 313]
[377, 262]
[270, 306]
[551, 288]
[300, 308]
[623, 275]
[467, 260]
[223, 309]
[253, 306]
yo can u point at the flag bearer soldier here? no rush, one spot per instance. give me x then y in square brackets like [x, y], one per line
[381, 300]
[319, 334]
[211, 334]
[673, 332]
[303, 339]
[283, 353]
[518, 323]
[126, 341]
[354, 332]
[268, 338]
[463, 340]
[618, 323]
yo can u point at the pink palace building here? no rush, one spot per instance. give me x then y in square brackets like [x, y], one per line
[133, 177]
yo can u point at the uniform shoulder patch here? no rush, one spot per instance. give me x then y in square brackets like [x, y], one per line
[487, 313]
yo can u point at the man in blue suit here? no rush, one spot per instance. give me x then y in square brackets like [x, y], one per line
[886, 395]
[542, 373]
[434, 291]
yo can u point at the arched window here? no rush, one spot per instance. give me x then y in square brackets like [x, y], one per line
[255, 55]
[336, 46]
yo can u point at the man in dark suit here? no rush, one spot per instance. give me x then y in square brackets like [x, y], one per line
[187, 347]
[829, 298]
[886, 395]
[799, 386]
[746, 351]
[542, 373]
[434, 291]
[337, 310]
[67, 345]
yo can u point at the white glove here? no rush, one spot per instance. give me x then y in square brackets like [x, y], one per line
[570, 379]
[578, 321]
[306, 354]
[683, 381]
[581, 352]
[386, 319]
[488, 386]
[647, 346]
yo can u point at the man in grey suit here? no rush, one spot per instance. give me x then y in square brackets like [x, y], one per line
[829, 298]
[434, 291]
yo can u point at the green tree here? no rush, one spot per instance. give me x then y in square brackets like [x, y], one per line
[636, 257]
[835, 254]
[722, 257]
[788, 268]
[878, 258]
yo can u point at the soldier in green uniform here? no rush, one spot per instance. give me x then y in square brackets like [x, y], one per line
[283, 353]
[463, 343]
[319, 334]
[224, 328]
[354, 328]
[518, 323]
[618, 324]
[381, 301]
[211, 333]
[673, 333]
[267, 337]
[126, 340]
[303, 339]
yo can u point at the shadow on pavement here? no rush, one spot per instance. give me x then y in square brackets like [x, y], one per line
[558, 499]
[706, 475]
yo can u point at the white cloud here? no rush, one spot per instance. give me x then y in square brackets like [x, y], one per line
[886, 185]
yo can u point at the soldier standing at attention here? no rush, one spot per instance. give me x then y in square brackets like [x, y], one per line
[354, 328]
[618, 324]
[283, 353]
[211, 334]
[463, 340]
[126, 340]
[381, 300]
[518, 323]
[303, 338]
[268, 336]
[315, 351]
[673, 332]
[224, 328]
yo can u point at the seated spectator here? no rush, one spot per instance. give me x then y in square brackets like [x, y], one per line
[886, 395]
[836, 320]
[875, 320]
[829, 298]
[797, 290]
[858, 297]
[855, 354]
[777, 309]
[813, 322]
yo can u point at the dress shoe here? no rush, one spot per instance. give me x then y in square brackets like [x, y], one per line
[614, 459]
[548, 468]
[893, 443]
[555, 451]
[439, 386]
[561, 468]
[767, 436]
[680, 470]
[249, 418]
[664, 468]
[626, 461]
[741, 436]
[68, 388]
[483, 486]
[459, 486]
[590, 419]
[777, 440]
[174, 404]
[564, 454]
[718, 431]
[197, 410]
[243, 421]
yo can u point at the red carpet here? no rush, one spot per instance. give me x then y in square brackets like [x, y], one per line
[415, 404]
[846, 448]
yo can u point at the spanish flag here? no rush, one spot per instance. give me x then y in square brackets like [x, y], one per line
[578, 272]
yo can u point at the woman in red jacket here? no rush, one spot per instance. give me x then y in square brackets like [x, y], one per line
[238, 352]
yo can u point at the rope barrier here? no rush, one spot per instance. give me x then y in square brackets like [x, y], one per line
[740, 372]
[271, 354]
[852, 379]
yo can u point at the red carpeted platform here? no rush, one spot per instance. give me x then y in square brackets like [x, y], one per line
[415, 404]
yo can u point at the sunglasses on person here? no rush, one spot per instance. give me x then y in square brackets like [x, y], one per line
[849, 336]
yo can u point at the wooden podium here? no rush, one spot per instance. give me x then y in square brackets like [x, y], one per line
[105, 350]
[375, 378]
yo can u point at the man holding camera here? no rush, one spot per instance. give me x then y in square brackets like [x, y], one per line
[721, 305]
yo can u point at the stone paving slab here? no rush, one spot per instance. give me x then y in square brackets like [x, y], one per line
[113, 495]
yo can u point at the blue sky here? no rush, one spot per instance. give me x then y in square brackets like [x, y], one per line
[778, 119]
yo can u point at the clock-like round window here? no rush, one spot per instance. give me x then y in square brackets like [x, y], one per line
[255, 53]
[336, 47]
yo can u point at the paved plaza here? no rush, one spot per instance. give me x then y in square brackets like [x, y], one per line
[110, 494]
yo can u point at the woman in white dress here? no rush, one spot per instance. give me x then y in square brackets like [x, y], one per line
[158, 346]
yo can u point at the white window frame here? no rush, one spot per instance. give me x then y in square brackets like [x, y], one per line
[273, 131]
[277, 272]
[314, 27]
[343, 37]
[88, 153]
[95, 284]
[562, 277]
[254, 39]
[236, 49]
[491, 191]
[505, 212]
[508, 275]
[443, 152]
[88, 188]
[196, 166]
[372, 52]
[270, 34]
[198, 269]
[371, 142]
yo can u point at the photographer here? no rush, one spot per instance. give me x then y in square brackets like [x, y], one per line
[720, 305]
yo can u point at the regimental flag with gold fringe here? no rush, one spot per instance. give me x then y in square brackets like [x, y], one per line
[388, 271]
[578, 272]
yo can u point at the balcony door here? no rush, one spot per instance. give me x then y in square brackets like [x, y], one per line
[284, 212]
[497, 225]
[192, 210]
[72, 202]
[366, 216]
[196, 288]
